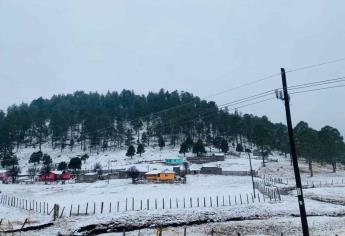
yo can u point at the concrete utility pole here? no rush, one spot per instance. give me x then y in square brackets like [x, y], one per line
[286, 99]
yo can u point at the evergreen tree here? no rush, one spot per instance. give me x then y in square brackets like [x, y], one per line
[144, 138]
[217, 142]
[129, 137]
[189, 142]
[62, 166]
[331, 145]
[239, 148]
[183, 148]
[84, 158]
[46, 159]
[199, 148]
[161, 142]
[140, 149]
[74, 163]
[130, 151]
[36, 157]
[224, 146]
[307, 143]
[133, 173]
[260, 134]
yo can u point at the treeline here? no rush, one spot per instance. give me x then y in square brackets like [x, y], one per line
[97, 122]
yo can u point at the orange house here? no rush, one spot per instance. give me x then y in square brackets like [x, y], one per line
[160, 176]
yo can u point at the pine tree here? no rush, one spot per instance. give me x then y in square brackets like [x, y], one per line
[161, 142]
[129, 137]
[36, 157]
[75, 163]
[130, 151]
[46, 159]
[140, 149]
[183, 148]
[199, 148]
[62, 166]
[224, 146]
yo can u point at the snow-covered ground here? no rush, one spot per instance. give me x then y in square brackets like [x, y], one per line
[272, 216]
[118, 190]
[150, 159]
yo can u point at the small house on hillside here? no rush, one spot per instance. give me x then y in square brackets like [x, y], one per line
[88, 177]
[55, 176]
[174, 161]
[211, 170]
[160, 176]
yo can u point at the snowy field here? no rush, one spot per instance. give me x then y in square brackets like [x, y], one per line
[197, 186]
[265, 218]
[152, 158]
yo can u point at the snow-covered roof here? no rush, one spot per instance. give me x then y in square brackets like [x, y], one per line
[92, 173]
[156, 172]
[153, 172]
[174, 158]
[57, 172]
[218, 154]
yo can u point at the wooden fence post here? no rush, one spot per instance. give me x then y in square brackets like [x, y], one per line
[132, 203]
[86, 208]
[102, 204]
[78, 209]
[94, 208]
[70, 211]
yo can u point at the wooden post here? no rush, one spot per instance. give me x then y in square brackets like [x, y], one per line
[191, 202]
[156, 204]
[217, 200]
[78, 209]
[126, 204]
[132, 204]
[102, 204]
[94, 208]
[163, 203]
[170, 202]
[118, 206]
[229, 201]
[141, 204]
[184, 203]
[70, 211]
[176, 203]
[211, 202]
[241, 198]
[198, 201]
[109, 207]
[204, 202]
[86, 208]
[63, 209]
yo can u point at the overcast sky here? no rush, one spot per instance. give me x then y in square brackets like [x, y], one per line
[60, 46]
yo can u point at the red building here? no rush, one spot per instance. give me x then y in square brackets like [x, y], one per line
[55, 176]
[4, 176]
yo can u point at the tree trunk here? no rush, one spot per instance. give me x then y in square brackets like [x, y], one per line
[263, 156]
[334, 165]
[311, 167]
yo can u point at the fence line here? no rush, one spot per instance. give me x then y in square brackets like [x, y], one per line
[132, 204]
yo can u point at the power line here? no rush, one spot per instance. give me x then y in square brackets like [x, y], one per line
[316, 65]
[325, 88]
[317, 83]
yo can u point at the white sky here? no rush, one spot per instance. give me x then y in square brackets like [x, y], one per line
[59, 46]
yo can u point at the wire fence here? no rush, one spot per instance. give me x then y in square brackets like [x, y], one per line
[133, 204]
